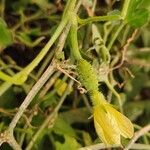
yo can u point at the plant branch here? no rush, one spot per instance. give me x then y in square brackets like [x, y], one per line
[115, 36]
[50, 117]
[137, 135]
[98, 19]
[101, 146]
[125, 8]
[49, 71]
[115, 93]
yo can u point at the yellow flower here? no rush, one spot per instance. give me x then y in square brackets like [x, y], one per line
[110, 124]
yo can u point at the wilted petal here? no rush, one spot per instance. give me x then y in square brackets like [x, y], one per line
[124, 124]
[106, 129]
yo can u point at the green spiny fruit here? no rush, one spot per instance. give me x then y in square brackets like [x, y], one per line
[87, 75]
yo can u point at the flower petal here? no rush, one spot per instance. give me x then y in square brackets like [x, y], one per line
[104, 127]
[124, 124]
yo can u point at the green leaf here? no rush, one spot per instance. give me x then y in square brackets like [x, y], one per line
[137, 15]
[49, 100]
[133, 110]
[138, 18]
[134, 4]
[76, 115]
[5, 34]
[7, 99]
[69, 144]
[134, 86]
[64, 128]
[145, 4]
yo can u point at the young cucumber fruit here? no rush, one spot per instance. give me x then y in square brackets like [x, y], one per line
[87, 75]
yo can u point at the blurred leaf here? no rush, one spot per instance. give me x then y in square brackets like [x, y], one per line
[145, 4]
[5, 34]
[64, 128]
[133, 5]
[133, 86]
[134, 109]
[2, 126]
[138, 18]
[7, 100]
[69, 144]
[146, 35]
[48, 100]
[76, 115]
[136, 15]
[44, 144]
[37, 120]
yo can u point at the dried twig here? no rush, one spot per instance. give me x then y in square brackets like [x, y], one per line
[125, 48]
[102, 147]
[137, 135]
[50, 117]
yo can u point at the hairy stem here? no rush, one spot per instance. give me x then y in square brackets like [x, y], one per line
[98, 19]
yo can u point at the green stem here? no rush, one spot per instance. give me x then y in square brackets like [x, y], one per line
[125, 35]
[20, 77]
[9, 71]
[30, 43]
[123, 16]
[74, 38]
[115, 36]
[5, 77]
[115, 93]
[40, 56]
[125, 8]
[35, 89]
[45, 63]
[98, 19]
[107, 30]
[69, 8]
